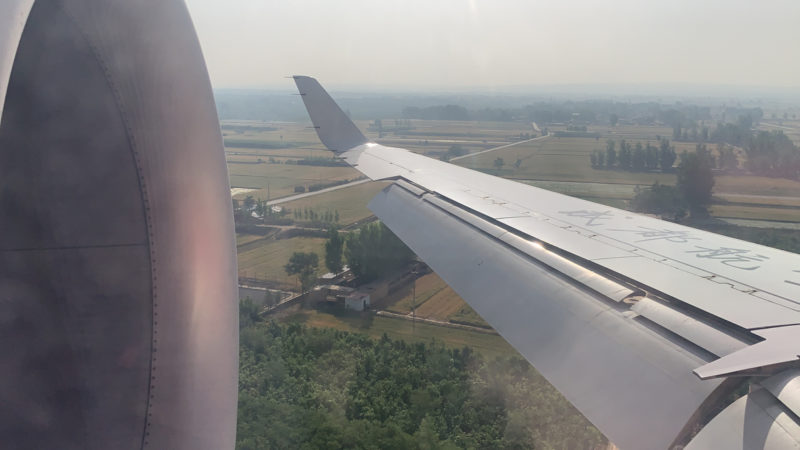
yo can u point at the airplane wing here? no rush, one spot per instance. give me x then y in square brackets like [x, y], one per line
[646, 326]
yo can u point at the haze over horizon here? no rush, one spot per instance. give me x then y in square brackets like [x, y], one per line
[502, 44]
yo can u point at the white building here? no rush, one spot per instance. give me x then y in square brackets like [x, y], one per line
[357, 301]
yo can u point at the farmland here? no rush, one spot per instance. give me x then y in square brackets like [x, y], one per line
[561, 164]
[351, 202]
[266, 261]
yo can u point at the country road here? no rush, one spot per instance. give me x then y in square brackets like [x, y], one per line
[290, 198]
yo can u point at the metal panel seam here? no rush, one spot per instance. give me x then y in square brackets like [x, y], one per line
[145, 205]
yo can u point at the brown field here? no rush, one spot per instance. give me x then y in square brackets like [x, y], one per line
[434, 300]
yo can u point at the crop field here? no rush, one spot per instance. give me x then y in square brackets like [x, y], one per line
[242, 239]
[350, 202]
[754, 185]
[279, 180]
[790, 214]
[437, 136]
[759, 199]
[559, 159]
[489, 345]
[560, 164]
[266, 261]
[434, 300]
[790, 128]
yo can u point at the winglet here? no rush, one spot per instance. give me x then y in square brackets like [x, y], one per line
[334, 128]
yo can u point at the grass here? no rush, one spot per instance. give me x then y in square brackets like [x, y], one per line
[266, 261]
[351, 202]
[489, 345]
[468, 315]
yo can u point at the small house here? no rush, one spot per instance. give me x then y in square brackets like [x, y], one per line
[357, 301]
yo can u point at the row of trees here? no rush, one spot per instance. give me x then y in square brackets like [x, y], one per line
[243, 210]
[310, 215]
[635, 157]
[772, 153]
[323, 388]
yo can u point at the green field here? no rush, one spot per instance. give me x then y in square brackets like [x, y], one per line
[279, 180]
[562, 165]
[756, 212]
[376, 326]
[437, 136]
[559, 159]
[351, 202]
[266, 261]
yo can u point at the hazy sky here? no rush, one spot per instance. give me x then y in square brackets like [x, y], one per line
[496, 43]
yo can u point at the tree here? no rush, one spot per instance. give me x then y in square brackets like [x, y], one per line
[499, 163]
[249, 203]
[660, 199]
[728, 159]
[676, 132]
[666, 155]
[374, 250]
[652, 157]
[625, 156]
[613, 119]
[695, 179]
[453, 151]
[248, 313]
[334, 249]
[639, 158]
[611, 154]
[304, 265]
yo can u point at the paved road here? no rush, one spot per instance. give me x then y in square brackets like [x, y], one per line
[499, 148]
[290, 198]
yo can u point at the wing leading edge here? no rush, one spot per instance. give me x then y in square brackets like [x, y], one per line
[642, 324]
